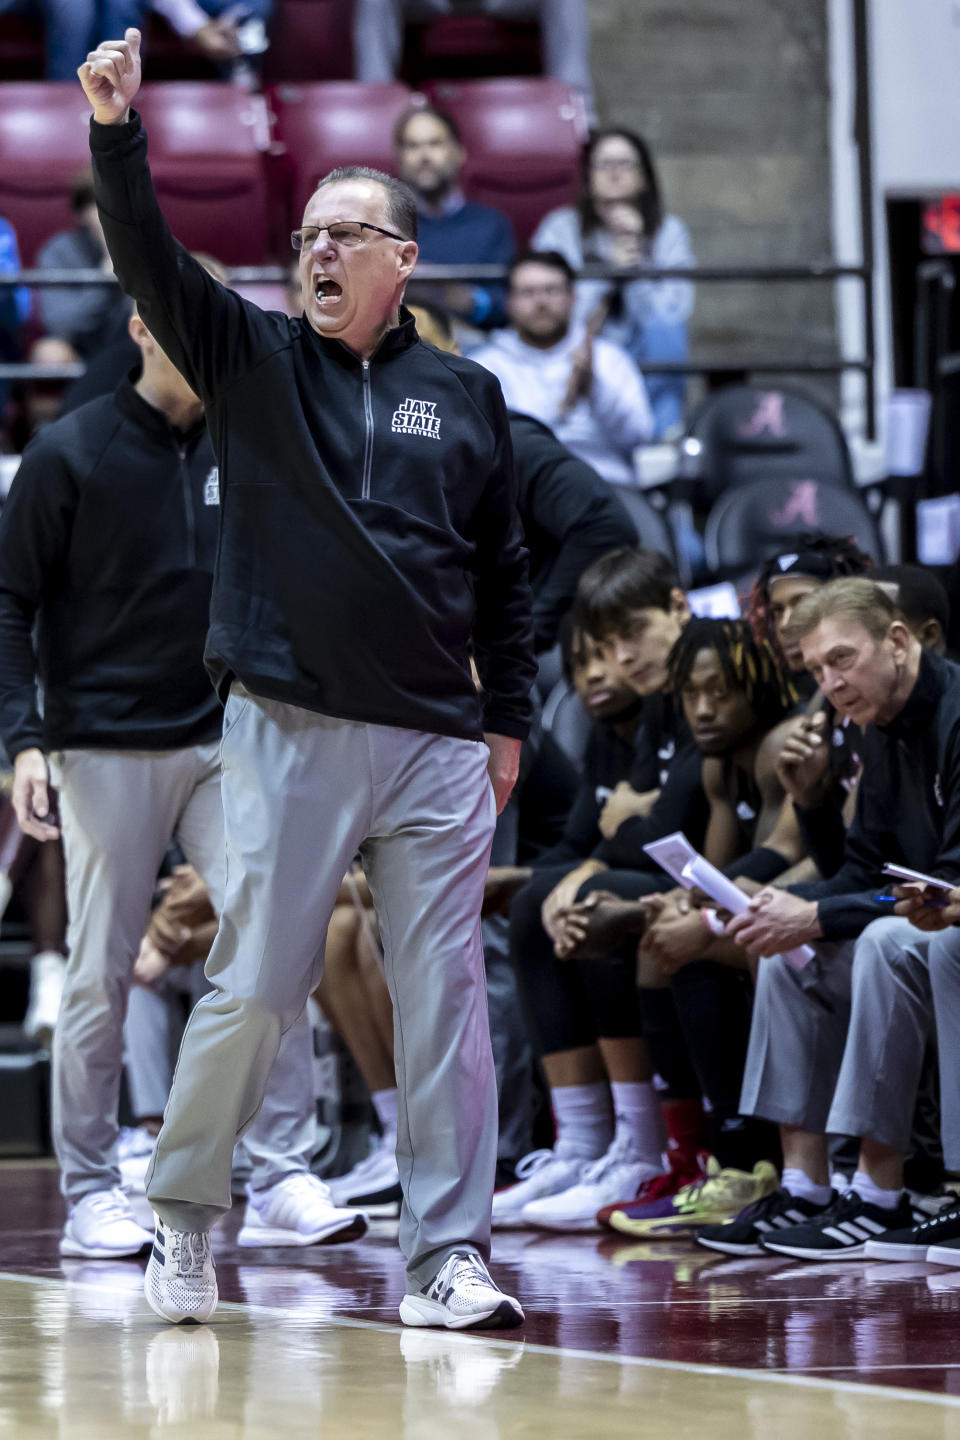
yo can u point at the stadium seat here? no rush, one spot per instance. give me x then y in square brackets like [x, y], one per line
[332, 123]
[310, 40]
[770, 516]
[523, 140]
[566, 720]
[208, 144]
[652, 526]
[21, 48]
[744, 432]
[470, 45]
[44, 141]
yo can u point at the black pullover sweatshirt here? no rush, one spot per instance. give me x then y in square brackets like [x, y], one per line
[108, 540]
[908, 804]
[369, 530]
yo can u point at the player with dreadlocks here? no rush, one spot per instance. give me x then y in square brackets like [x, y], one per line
[783, 582]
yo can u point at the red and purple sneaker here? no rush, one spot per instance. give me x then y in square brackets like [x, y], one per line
[683, 1171]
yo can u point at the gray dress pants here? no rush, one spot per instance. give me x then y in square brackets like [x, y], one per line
[119, 809]
[797, 1037]
[378, 33]
[302, 793]
[906, 987]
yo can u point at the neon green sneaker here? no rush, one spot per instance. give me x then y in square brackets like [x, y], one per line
[717, 1196]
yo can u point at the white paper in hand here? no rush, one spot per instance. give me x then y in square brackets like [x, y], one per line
[677, 856]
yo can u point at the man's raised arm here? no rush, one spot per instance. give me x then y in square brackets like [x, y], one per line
[207, 330]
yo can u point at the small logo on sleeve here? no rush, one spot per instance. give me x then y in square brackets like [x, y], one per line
[211, 488]
[417, 417]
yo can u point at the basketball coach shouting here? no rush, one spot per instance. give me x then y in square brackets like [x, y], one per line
[369, 546]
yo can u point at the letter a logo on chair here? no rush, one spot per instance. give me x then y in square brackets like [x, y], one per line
[801, 505]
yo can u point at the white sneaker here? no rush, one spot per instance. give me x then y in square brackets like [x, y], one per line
[181, 1281]
[135, 1147]
[601, 1183]
[462, 1296]
[542, 1172]
[101, 1226]
[297, 1211]
[373, 1186]
[46, 987]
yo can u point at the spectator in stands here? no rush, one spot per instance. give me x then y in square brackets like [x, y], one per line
[587, 390]
[89, 317]
[107, 545]
[68, 30]
[224, 31]
[859, 1070]
[378, 34]
[452, 229]
[570, 517]
[620, 221]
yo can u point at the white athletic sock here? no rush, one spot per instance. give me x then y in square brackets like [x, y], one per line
[636, 1109]
[799, 1183]
[584, 1120]
[872, 1194]
[385, 1104]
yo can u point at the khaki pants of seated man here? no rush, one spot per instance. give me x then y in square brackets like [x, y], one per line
[119, 811]
[302, 794]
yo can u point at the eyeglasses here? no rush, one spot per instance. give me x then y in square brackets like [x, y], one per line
[346, 233]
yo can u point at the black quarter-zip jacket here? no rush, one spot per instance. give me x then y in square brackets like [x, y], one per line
[107, 541]
[369, 531]
[908, 804]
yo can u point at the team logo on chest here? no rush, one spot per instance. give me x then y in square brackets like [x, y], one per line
[211, 488]
[417, 417]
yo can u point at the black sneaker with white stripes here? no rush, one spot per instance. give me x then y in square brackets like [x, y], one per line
[744, 1234]
[913, 1242]
[842, 1231]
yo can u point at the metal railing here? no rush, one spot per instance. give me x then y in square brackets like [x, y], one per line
[781, 364]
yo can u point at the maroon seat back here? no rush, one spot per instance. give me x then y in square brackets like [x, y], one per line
[332, 123]
[44, 142]
[310, 40]
[523, 140]
[208, 144]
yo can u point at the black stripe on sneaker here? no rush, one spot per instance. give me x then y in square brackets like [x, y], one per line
[158, 1255]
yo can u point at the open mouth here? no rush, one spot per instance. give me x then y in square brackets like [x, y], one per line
[326, 291]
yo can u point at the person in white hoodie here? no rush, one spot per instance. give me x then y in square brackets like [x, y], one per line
[585, 388]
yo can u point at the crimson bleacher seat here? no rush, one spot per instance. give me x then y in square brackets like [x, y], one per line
[44, 141]
[523, 140]
[310, 40]
[332, 123]
[208, 144]
[21, 47]
[470, 45]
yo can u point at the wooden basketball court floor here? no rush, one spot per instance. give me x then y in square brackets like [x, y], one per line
[622, 1339]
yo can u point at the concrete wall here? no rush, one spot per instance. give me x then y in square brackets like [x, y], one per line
[734, 97]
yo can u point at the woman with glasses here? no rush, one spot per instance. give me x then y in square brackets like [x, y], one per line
[620, 221]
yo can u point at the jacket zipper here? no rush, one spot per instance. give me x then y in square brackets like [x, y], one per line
[188, 508]
[368, 422]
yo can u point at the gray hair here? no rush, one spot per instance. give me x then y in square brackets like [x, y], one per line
[401, 201]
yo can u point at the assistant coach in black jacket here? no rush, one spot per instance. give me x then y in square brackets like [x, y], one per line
[369, 545]
[835, 1048]
[107, 547]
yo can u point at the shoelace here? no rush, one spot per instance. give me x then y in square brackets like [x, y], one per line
[190, 1254]
[620, 1152]
[111, 1204]
[463, 1272]
[532, 1162]
[303, 1182]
